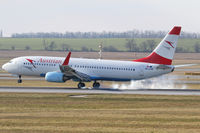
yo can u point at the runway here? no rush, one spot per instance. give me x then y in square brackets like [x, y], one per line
[196, 78]
[99, 91]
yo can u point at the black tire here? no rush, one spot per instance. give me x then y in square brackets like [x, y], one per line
[19, 81]
[96, 85]
[81, 85]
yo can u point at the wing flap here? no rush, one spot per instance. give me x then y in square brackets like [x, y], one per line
[70, 72]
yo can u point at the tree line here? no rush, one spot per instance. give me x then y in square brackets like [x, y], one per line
[131, 46]
[104, 34]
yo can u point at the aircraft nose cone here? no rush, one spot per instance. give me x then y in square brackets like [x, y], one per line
[8, 67]
[4, 67]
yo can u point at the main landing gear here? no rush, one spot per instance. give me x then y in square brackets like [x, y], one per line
[95, 85]
[81, 85]
[20, 80]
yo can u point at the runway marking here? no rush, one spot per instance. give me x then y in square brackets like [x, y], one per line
[99, 91]
[78, 96]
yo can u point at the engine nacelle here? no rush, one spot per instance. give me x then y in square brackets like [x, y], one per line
[55, 77]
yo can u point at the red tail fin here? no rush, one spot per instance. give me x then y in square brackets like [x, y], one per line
[164, 52]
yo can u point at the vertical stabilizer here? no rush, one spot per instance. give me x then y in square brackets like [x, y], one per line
[164, 52]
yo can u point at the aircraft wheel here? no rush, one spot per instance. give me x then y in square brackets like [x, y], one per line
[19, 80]
[96, 85]
[81, 85]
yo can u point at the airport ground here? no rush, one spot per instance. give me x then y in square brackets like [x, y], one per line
[100, 113]
[85, 113]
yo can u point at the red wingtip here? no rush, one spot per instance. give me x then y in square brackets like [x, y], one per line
[66, 62]
[175, 31]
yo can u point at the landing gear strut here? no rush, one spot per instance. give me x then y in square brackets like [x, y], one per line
[96, 84]
[19, 80]
[81, 85]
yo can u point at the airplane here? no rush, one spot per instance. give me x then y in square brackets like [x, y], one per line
[60, 69]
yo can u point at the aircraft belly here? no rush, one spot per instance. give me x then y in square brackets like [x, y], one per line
[112, 75]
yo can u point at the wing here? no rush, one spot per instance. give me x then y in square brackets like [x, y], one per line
[70, 72]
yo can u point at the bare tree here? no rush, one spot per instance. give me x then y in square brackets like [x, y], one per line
[84, 49]
[27, 47]
[179, 50]
[65, 47]
[110, 49]
[52, 46]
[197, 47]
[12, 47]
[45, 45]
[151, 45]
[144, 47]
[131, 45]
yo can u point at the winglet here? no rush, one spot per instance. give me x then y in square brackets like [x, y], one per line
[66, 62]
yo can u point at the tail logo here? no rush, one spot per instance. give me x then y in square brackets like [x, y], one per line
[170, 43]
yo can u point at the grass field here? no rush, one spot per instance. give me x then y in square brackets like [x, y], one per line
[49, 113]
[76, 44]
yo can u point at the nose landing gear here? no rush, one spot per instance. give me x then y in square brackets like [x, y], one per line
[19, 80]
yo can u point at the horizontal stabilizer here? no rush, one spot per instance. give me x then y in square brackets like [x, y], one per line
[185, 65]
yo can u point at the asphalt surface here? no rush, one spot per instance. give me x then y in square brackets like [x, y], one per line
[99, 91]
[6, 76]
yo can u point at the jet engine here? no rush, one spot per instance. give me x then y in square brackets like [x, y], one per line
[56, 77]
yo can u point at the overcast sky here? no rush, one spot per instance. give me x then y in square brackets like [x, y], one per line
[17, 16]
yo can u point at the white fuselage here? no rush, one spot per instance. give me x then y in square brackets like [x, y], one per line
[97, 69]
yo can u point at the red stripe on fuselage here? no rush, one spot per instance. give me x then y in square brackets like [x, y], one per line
[156, 59]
